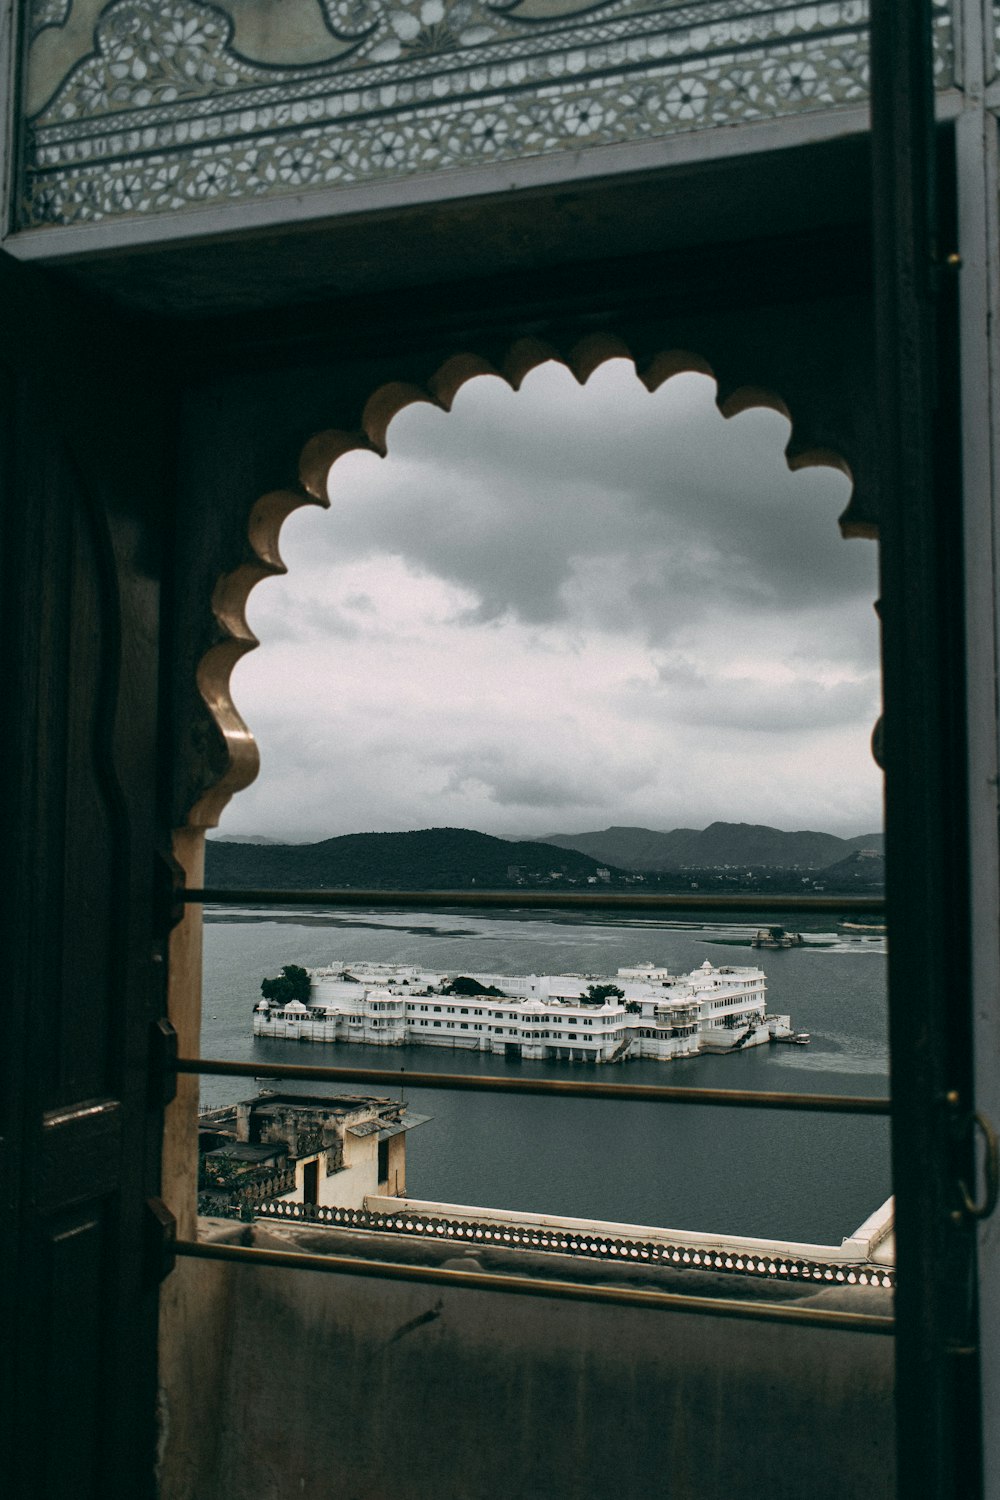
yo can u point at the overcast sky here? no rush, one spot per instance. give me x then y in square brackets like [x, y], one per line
[563, 608]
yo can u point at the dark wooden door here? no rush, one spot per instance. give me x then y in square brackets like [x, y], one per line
[83, 468]
[310, 1182]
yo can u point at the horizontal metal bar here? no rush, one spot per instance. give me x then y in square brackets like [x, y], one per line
[588, 900]
[537, 1286]
[843, 1104]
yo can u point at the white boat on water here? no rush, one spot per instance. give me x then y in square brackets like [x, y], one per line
[641, 1011]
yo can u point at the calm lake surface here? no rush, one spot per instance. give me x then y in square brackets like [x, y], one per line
[767, 1173]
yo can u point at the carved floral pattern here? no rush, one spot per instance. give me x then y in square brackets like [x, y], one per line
[163, 114]
[42, 13]
[153, 53]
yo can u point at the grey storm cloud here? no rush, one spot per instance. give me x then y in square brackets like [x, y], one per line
[685, 695]
[605, 511]
[559, 606]
[510, 779]
[508, 786]
[308, 615]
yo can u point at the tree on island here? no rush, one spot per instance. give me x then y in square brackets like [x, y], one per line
[464, 985]
[291, 984]
[598, 993]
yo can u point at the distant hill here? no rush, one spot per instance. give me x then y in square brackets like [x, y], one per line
[752, 845]
[430, 859]
[632, 848]
[868, 841]
[241, 838]
[861, 867]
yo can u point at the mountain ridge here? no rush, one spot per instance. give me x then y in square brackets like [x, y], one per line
[751, 845]
[427, 858]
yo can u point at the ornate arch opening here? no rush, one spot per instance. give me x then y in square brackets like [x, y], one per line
[807, 446]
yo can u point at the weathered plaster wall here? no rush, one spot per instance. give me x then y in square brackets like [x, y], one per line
[331, 1387]
[361, 1158]
[396, 1186]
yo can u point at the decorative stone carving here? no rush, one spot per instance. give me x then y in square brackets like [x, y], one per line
[159, 107]
[42, 13]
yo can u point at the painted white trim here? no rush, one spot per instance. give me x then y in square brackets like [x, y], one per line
[988, 23]
[972, 46]
[978, 172]
[9, 53]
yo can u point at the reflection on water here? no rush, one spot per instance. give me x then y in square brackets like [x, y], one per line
[793, 1176]
[847, 1059]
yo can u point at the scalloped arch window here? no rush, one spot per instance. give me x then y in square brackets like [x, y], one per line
[553, 609]
[559, 603]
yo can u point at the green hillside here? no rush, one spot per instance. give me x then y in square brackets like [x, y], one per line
[448, 859]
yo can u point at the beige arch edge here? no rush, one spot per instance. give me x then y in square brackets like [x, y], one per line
[268, 515]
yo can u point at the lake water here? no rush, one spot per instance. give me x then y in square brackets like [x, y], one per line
[767, 1173]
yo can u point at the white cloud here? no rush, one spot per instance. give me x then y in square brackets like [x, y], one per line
[566, 607]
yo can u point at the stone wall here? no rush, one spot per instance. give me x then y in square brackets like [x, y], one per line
[326, 1386]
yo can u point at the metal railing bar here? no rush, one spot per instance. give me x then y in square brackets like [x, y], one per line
[588, 900]
[845, 1104]
[537, 1286]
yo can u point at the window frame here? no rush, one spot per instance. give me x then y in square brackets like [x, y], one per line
[927, 1120]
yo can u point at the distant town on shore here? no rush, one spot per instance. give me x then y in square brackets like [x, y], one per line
[723, 857]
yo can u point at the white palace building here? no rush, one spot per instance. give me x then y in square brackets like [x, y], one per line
[654, 1014]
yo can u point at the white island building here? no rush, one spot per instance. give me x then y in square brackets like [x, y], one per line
[642, 1011]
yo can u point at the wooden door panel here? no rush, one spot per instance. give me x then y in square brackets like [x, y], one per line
[70, 1367]
[80, 1125]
